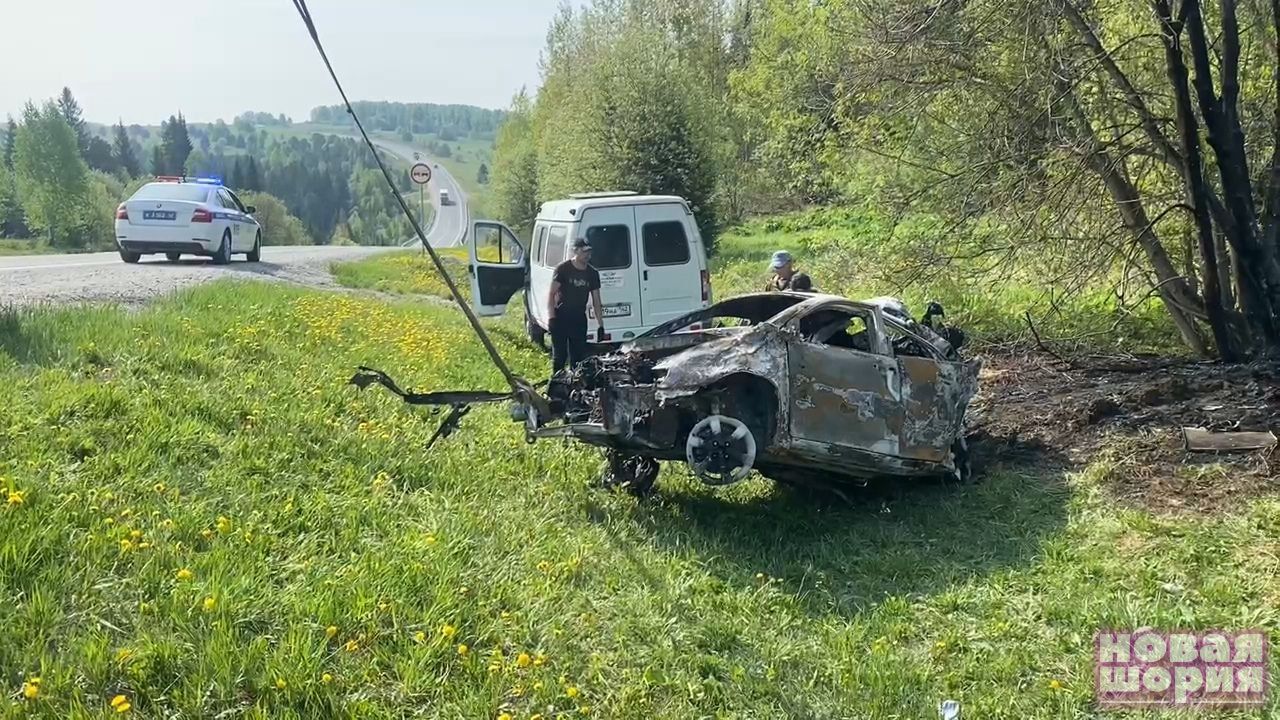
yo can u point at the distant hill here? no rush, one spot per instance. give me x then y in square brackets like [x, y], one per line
[448, 122]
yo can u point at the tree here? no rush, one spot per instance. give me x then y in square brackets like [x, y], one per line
[279, 226]
[252, 180]
[71, 112]
[482, 175]
[159, 166]
[122, 151]
[10, 136]
[100, 156]
[52, 178]
[175, 144]
[515, 163]
[12, 221]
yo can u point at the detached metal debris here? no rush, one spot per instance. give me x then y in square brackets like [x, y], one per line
[803, 388]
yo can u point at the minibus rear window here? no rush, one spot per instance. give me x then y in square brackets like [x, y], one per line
[610, 246]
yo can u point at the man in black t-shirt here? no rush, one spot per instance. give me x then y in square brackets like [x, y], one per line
[573, 282]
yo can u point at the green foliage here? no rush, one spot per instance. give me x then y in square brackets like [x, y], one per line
[12, 220]
[175, 146]
[10, 138]
[632, 99]
[453, 121]
[52, 178]
[279, 226]
[482, 175]
[122, 151]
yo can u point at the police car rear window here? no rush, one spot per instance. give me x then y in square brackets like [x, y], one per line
[610, 246]
[173, 191]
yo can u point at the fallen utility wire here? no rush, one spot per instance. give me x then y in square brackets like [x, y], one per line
[522, 389]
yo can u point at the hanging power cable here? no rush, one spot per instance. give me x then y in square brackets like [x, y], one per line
[523, 390]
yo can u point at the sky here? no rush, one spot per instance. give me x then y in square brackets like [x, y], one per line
[143, 60]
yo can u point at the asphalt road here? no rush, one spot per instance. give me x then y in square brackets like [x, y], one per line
[450, 225]
[104, 277]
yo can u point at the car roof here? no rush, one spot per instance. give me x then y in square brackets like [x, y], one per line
[571, 209]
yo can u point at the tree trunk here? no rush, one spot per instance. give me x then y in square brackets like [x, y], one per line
[1259, 273]
[1171, 286]
[1197, 193]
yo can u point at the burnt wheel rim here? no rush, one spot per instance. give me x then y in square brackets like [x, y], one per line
[720, 450]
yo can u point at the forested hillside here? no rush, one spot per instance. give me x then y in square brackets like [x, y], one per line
[1122, 149]
[62, 177]
[449, 122]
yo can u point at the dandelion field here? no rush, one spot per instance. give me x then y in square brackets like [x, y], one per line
[199, 518]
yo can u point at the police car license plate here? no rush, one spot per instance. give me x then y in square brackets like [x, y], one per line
[159, 215]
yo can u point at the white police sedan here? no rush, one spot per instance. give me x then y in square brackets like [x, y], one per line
[187, 216]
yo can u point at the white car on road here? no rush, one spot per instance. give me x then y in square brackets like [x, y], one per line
[187, 216]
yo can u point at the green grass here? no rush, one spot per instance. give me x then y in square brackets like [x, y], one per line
[409, 272]
[213, 433]
[841, 250]
[18, 246]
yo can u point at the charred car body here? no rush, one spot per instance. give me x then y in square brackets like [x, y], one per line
[805, 389]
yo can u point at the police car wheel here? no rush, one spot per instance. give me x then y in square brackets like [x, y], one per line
[223, 255]
[130, 257]
[255, 254]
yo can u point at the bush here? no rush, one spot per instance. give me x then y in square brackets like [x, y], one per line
[279, 226]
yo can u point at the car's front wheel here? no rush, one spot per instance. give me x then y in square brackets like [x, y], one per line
[255, 255]
[223, 255]
[130, 257]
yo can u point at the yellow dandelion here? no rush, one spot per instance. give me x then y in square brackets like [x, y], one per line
[539, 660]
[523, 660]
[207, 534]
[584, 710]
[463, 650]
[281, 684]
[330, 631]
[351, 646]
[121, 704]
[1055, 684]
[135, 535]
[126, 545]
[168, 524]
[505, 615]
[538, 685]
[185, 575]
[16, 498]
[326, 679]
[160, 487]
[210, 603]
[504, 716]
[223, 524]
[448, 631]
[544, 566]
[31, 689]
[571, 692]
[420, 637]
[431, 539]
[110, 521]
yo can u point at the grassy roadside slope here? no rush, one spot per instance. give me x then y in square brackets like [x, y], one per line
[197, 514]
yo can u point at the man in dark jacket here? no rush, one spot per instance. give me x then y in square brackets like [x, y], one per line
[785, 276]
[572, 284]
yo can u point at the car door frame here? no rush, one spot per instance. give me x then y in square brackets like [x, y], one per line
[497, 282]
[843, 399]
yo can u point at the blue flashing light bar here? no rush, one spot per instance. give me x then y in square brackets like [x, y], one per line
[211, 180]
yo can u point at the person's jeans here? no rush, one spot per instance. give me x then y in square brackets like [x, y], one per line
[568, 341]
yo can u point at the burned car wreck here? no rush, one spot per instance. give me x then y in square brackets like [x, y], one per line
[803, 388]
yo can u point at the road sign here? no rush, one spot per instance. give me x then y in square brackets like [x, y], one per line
[420, 173]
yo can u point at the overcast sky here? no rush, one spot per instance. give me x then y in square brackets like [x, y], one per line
[142, 60]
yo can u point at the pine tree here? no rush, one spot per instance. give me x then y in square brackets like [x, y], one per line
[71, 112]
[10, 135]
[482, 175]
[122, 150]
[237, 175]
[158, 166]
[175, 143]
[251, 179]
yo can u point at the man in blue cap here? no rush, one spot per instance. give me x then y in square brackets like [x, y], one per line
[785, 276]
[574, 283]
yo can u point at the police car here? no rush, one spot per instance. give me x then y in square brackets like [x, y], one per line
[187, 216]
